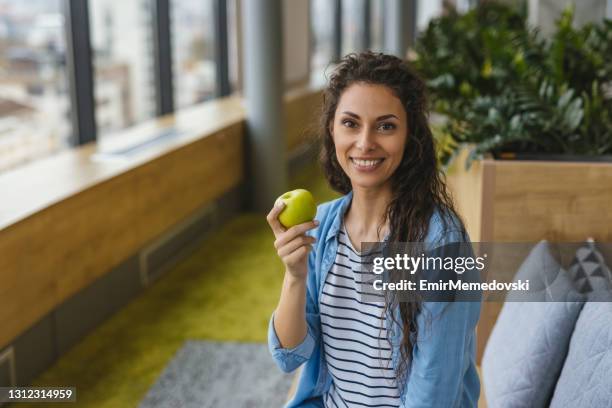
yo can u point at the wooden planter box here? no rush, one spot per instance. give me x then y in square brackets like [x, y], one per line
[527, 201]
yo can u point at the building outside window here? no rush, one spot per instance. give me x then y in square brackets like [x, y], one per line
[463, 6]
[123, 62]
[34, 96]
[234, 44]
[193, 50]
[352, 26]
[322, 33]
[377, 33]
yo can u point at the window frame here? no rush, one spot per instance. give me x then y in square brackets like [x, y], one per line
[80, 69]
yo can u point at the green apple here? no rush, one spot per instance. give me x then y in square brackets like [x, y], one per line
[300, 207]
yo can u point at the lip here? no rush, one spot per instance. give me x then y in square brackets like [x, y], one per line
[366, 169]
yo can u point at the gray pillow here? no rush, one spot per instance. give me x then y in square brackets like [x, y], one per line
[527, 347]
[585, 380]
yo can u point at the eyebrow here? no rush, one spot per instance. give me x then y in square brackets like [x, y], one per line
[383, 117]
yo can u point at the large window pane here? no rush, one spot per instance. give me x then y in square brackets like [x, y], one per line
[122, 43]
[463, 6]
[193, 51]
[233, 40]
[427, 10]
[34, 97]
[322, 31]
[352, 26]
[377, 33]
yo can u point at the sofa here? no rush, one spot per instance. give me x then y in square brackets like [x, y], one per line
[555, 348]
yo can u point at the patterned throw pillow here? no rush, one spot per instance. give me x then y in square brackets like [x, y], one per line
[589, 272]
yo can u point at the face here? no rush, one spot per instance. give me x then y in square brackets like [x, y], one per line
[369, 131]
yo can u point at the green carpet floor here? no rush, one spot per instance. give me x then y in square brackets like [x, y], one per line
[226, 290]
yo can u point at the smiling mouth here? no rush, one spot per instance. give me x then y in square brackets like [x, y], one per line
[368, 164]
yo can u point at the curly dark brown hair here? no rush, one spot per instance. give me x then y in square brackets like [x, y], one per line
[418, 186]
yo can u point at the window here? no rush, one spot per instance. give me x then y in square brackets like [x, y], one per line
[322, 33]
[34, 97]
[377, 33]
[427, 10]
[122, 46]
[463, 6]
[233, 44]
[192, 51]
[352, 26]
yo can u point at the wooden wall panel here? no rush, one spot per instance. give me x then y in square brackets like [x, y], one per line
[175, 185]
[58, 251]
[88, 234]
[466, 189]
[565, 202]
[20, 284]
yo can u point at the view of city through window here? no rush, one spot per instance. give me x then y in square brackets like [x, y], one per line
[322, 23]
[34, 90]
[192, 51]
[122, 45]
[34, 96]
[352, 26]
[233, 34]
[377, 35]
[428, 10]
[35, 102]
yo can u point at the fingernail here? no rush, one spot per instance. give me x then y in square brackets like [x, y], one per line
[279, 204]
[316, 222]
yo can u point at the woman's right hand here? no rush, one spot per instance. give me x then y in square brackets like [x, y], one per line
[292, 245]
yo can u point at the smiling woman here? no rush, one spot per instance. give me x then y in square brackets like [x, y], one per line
[377, 150]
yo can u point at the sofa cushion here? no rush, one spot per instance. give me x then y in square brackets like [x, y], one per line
[585, 380]
[525, 352]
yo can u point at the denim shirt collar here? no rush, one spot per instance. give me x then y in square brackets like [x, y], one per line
[337, 221]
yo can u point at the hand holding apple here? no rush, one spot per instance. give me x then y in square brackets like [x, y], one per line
[290, 219]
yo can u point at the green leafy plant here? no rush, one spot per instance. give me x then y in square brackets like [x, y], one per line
[505, 89]
[462, 58]
[446, 144]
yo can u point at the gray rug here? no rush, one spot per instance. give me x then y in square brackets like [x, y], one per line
[220, 374]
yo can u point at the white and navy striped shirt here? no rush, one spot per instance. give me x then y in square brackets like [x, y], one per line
[356, 349]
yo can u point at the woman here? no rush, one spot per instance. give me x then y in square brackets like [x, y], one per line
[377, 150]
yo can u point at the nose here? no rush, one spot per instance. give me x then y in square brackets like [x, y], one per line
[365, 140]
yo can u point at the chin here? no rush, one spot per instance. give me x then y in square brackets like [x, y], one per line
[363, 182]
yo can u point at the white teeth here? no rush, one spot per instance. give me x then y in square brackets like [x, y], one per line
[366, 163]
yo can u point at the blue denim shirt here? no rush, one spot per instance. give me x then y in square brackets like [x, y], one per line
[442, 370]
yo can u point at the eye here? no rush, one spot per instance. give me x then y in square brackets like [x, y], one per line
[348, 123]
[385, 127]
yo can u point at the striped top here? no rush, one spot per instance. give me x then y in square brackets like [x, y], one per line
[356, 349]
